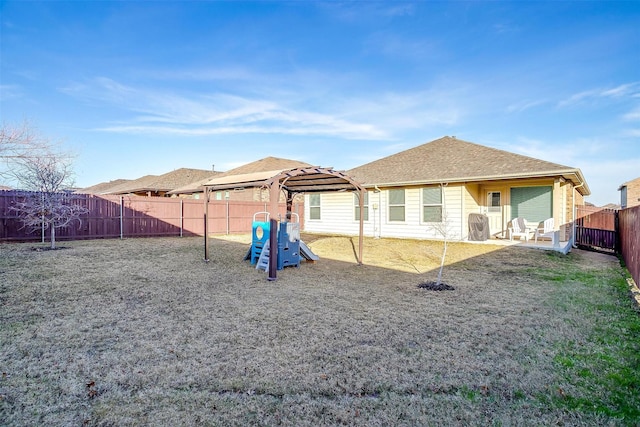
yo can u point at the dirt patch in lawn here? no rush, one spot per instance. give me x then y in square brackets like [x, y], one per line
[412, 256]
[143, 332]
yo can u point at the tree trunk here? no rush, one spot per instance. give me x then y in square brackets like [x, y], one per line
[444, 255]
[53, 236]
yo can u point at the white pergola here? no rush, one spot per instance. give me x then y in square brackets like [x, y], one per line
[294, 181]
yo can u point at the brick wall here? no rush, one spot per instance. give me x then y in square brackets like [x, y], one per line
[633, 193]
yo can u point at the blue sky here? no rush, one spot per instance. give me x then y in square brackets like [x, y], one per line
[144, 87]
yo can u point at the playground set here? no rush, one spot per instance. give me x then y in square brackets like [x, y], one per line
[291, 249]
[276, 241]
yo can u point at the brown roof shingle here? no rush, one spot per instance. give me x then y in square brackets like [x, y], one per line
[165, 182]
[266, 164]
[262, 165]
[103, 187]
[449, 159]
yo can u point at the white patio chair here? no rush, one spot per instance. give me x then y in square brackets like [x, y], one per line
[519, 228]
[546, 230]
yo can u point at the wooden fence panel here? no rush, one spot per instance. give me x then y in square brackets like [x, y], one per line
[629, 224]
[138, 216]
[10, 226]
[595, 217]
[596, 238]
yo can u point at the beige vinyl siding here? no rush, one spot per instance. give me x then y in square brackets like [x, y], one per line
[338, 215]
[472, 197]
[338, 211]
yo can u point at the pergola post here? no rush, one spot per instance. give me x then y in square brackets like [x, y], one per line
[289, 205]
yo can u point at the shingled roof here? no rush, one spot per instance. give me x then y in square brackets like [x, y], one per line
[266, 164]
[160, 183]
[103, 187]
[262, 165]
[449, 159]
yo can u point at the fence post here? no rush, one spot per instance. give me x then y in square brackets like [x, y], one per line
[43, 228]
[121, 217]
[206, 224]
[618, 237]
[181, 216]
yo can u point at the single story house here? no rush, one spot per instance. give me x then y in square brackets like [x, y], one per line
[421, 191]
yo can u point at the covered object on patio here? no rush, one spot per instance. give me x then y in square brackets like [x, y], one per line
[294, 181]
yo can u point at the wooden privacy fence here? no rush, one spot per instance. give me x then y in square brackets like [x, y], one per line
[597, 228]
[614, 230]
[137, 216]
[629, 231]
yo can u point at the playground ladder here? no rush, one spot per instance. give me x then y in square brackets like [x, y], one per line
[263, 261]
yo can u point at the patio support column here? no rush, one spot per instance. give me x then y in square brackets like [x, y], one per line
[360, 237]
[558, 205]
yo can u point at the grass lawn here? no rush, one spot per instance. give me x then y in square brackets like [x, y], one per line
[143, 332]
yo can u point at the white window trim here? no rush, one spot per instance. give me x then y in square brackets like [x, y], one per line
[489, 202]
[319, 206]
[365, 206]
[389, 206]
[422, 206]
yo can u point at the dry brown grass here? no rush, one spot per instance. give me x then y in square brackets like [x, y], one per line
[143, 332]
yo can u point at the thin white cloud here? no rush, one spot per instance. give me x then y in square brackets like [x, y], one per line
[391, 44]
[213, 114]
[605, 177]
[359, 11]
[10, 92]
[632, 116]
[322, 111]
[521, 106]
[621, 90]
[565, 152]
[624, 90]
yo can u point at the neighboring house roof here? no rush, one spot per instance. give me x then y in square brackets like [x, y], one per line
[196, 186]
[165, 182]
[266, 164]
[103, 187]
[628, 183]
[4, 188]
[243, 179]
[262, 165]
[611, 206]
[449, 159]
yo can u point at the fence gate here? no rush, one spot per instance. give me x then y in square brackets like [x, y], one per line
[597, 228]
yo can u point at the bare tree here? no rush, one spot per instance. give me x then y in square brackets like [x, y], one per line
[48, 202]
[444, 229]
[19, 142]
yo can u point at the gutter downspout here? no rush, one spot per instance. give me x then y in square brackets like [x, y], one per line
[379, 212]
[575, 211]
